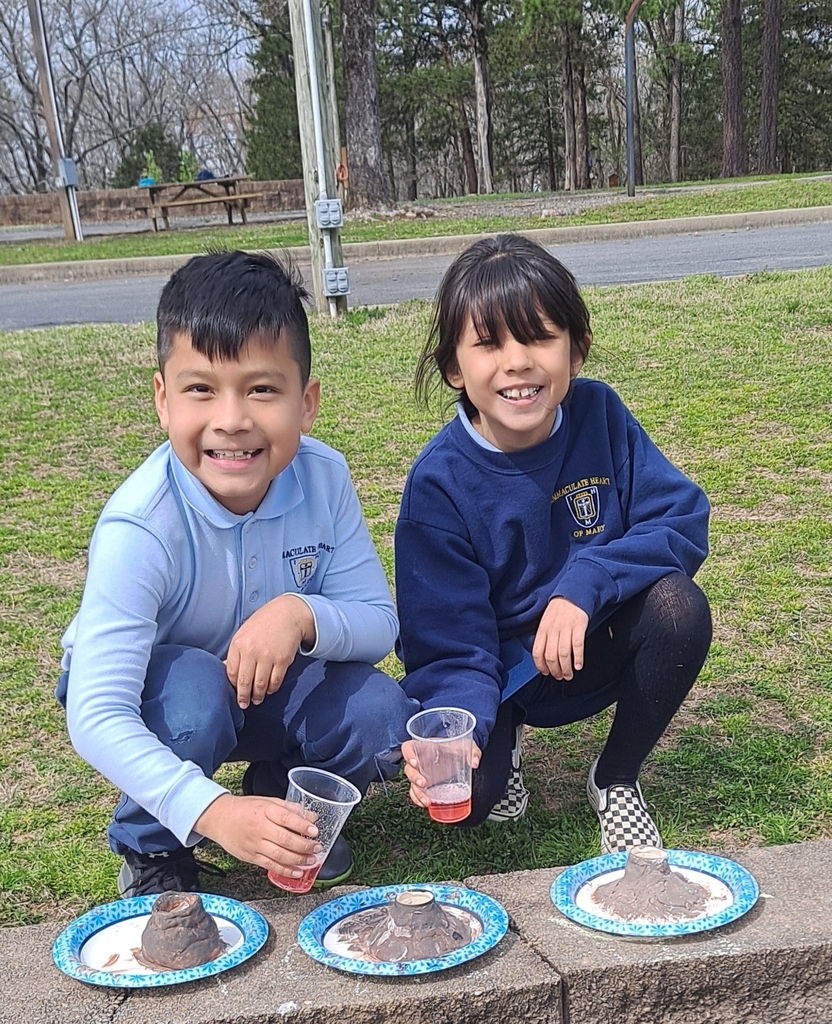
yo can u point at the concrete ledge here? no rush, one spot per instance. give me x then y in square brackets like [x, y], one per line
[445, 245]
[774, 966]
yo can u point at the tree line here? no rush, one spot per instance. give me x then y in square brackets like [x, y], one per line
[436, 99]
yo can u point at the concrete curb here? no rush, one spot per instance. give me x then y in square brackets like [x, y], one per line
[446, 245]
[773, 966]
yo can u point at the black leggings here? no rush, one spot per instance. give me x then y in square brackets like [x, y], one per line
[644, 659]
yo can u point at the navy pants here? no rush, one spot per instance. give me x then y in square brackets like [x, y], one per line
[346, 717]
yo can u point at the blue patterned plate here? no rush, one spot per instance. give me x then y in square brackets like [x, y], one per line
[314, 927]
[97, 948]
[733, 890]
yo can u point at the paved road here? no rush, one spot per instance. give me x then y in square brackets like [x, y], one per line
[379, 282]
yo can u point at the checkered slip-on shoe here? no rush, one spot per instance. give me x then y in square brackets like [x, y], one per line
[622, 812]
[513, 803]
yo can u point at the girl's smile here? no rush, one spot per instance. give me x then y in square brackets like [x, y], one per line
[516, 389]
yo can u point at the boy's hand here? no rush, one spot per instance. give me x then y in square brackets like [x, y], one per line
[417, 781]
[261, 830]
[265, 646]
[559, 643]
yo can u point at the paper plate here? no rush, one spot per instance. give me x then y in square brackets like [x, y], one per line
[97, 948]
[733, 892]
[312, 933]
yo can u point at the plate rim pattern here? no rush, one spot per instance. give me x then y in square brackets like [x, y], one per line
[739, 880]
[314, 926]
[67, 947]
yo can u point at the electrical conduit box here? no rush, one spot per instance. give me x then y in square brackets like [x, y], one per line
[336, 281]
[329, 213]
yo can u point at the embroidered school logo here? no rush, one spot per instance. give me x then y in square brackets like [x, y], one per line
[303, 568]
[584, 506]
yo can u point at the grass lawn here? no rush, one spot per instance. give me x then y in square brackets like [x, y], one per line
[732, 378]
[780, 194]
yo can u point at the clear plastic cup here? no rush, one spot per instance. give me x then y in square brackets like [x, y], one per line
[331, 798]
[443, 739]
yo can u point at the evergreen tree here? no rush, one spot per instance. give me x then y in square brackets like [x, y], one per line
[273, 138]
[150, 139]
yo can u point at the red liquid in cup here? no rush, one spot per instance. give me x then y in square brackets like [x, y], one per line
[302, 884]
[449, 802]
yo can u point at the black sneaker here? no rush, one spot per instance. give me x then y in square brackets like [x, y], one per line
[144, 874]
[338, 865]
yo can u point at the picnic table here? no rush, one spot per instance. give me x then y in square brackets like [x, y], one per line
[166, 196]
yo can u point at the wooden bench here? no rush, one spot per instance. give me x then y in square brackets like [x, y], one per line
[160, 209]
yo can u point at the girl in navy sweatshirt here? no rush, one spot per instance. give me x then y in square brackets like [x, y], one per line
[545, 546]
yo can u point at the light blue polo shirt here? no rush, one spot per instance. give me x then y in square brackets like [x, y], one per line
[169, 565]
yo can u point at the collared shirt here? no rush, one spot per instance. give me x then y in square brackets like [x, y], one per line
[169, 565]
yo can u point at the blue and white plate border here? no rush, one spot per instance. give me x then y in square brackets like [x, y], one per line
[67, 948]
[314, 927]
[740, 882]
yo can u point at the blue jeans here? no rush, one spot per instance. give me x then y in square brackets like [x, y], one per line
[346, 717]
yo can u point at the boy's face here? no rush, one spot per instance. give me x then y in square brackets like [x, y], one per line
[235, 424]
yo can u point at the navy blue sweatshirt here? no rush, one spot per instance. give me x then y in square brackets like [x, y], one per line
[485, 539]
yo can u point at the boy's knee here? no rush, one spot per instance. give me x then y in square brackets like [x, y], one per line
[190, 688]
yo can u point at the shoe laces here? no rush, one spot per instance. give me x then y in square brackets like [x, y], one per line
[177, 871]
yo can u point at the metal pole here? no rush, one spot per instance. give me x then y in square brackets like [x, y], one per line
[69, 204]
[630, 82]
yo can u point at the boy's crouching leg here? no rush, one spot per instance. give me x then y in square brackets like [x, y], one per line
[345, 717]
[189, 705]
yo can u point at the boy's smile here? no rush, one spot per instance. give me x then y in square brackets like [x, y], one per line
[515, 388]
[235, 424]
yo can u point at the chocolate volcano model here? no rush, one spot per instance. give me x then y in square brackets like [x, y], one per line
[413, 927]
[649, 889]
[179, 934]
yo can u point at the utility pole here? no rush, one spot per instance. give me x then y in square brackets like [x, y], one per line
[630, 88]
[324, 212]
[66, 175]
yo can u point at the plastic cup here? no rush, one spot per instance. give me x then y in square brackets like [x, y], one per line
[443, 739]
[331, 798]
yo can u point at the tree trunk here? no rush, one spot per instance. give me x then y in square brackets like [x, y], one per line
[676, 92]
[550, 138]
[581, 120]
[412, 177]
[767, 159]
[569, 172]
[368, 181]
[639, 159]
[482, 96]
[733, 148]
[467, 143]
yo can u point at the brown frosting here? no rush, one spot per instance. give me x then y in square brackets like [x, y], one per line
[179, 934]
[651, 890]
[412, 927]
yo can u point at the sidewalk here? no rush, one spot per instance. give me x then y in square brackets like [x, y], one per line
[97, 270]
[773, 966]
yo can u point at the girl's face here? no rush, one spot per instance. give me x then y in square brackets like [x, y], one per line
[516, 389]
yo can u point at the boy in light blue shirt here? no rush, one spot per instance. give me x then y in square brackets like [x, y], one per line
[234, 605]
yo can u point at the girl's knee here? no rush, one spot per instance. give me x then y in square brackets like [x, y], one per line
[678, 606]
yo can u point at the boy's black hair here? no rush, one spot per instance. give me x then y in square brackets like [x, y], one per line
[503, 284]
[224, 299]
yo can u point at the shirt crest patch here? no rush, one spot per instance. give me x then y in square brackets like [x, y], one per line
[303, 568]
[584, 506]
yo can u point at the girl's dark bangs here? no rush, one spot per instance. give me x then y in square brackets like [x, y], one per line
[506, 301]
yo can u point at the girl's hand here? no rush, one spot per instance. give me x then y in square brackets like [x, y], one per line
[559, 643]
[417, 781]
[266, 645]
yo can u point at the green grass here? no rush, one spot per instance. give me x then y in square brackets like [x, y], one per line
[732, 378]
[753, 195]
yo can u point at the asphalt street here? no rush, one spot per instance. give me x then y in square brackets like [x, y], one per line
[387, 281]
